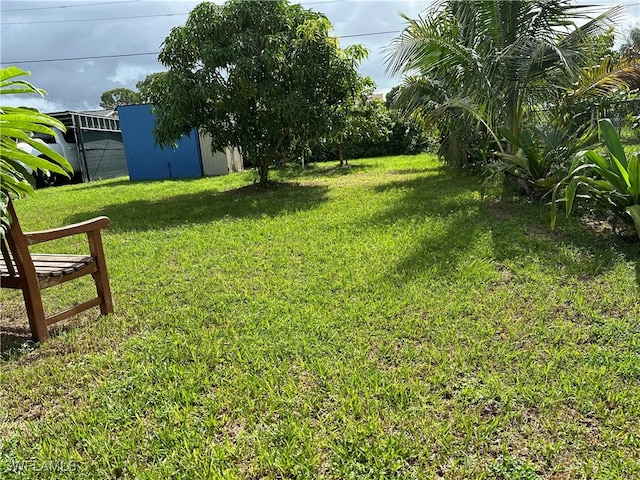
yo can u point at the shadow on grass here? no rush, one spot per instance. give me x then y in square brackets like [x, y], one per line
[92, 185]
[208, 206]
[15, 342]
[442, 197]
[321, 170]
[517, 230]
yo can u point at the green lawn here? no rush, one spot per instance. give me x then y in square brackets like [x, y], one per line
[382, 321]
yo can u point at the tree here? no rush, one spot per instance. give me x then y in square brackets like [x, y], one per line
[151, 87]
[258, 75]
[391, 96]
[471, 67]
[360, 118]
[17, 125]
[118, 96]
[631, 41]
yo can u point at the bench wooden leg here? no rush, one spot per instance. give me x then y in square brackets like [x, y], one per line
[35, 312]
[104, 291]
[101, 277]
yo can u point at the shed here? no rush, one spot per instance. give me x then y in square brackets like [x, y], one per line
[147, 160]
[193, 156]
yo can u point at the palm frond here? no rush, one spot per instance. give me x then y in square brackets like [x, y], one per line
[611, 76]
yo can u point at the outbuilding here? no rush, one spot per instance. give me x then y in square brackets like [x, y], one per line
[192, 157]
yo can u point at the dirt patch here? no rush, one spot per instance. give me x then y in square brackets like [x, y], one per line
[502, 211]
[408, 171]
[257, 188]
[609, 226]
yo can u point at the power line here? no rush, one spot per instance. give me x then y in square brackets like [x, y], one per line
[68, 6]
[123, 1]
[123, 55]
[368, 34]
[35, 22]
[95, 19]
[94, 57]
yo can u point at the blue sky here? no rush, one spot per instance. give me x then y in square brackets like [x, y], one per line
[100, 34]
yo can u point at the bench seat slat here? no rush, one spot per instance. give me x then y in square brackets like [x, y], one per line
[54, 265]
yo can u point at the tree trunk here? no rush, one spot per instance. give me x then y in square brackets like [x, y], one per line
[263, 170]
[514, 118]
[341, 154]
[263, 167]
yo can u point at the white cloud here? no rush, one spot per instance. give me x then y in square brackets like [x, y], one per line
[42, 104]
[127, 74]
[82, 69]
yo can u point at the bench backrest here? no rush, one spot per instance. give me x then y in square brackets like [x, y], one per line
[15, 249]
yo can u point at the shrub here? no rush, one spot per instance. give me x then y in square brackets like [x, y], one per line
[612, 180]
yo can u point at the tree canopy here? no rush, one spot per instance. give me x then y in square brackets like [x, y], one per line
[631, 41]
[151, 87]
[257, 75]
[359, 119]
[118, 96]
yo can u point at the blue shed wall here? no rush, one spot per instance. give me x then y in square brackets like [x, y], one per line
[145, 159]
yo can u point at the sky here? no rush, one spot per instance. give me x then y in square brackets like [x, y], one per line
[78, 49]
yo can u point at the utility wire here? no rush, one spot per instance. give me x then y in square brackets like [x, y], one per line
[35, 22]
[95, 19]
[94, 57]
[113, 3]
[122, 55]
[68, 6]
[368, 34]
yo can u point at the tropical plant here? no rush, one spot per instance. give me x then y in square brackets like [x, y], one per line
[612, 80]
[17, 126]
[612, 180]
[542, 155]
[470, 67]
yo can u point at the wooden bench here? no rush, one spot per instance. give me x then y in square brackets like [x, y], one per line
[31, 272]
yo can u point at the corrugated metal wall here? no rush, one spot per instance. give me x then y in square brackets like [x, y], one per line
[145, 159]
[234, 157]
[213, 163]
[219, 163]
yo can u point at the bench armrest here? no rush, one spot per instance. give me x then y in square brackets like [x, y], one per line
[95, 224]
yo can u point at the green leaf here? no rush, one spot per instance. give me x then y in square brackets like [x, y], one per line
[622, 171]
[612, 141]
[604, 169]
[519, 159]
[554, 205]
[509, 136]
[596, 158]
[570, 194]
[11, 72]
[28, 116]
[634, 211]
[634, 178]
[19, 124]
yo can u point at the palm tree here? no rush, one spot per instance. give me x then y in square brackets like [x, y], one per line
[471, 67]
